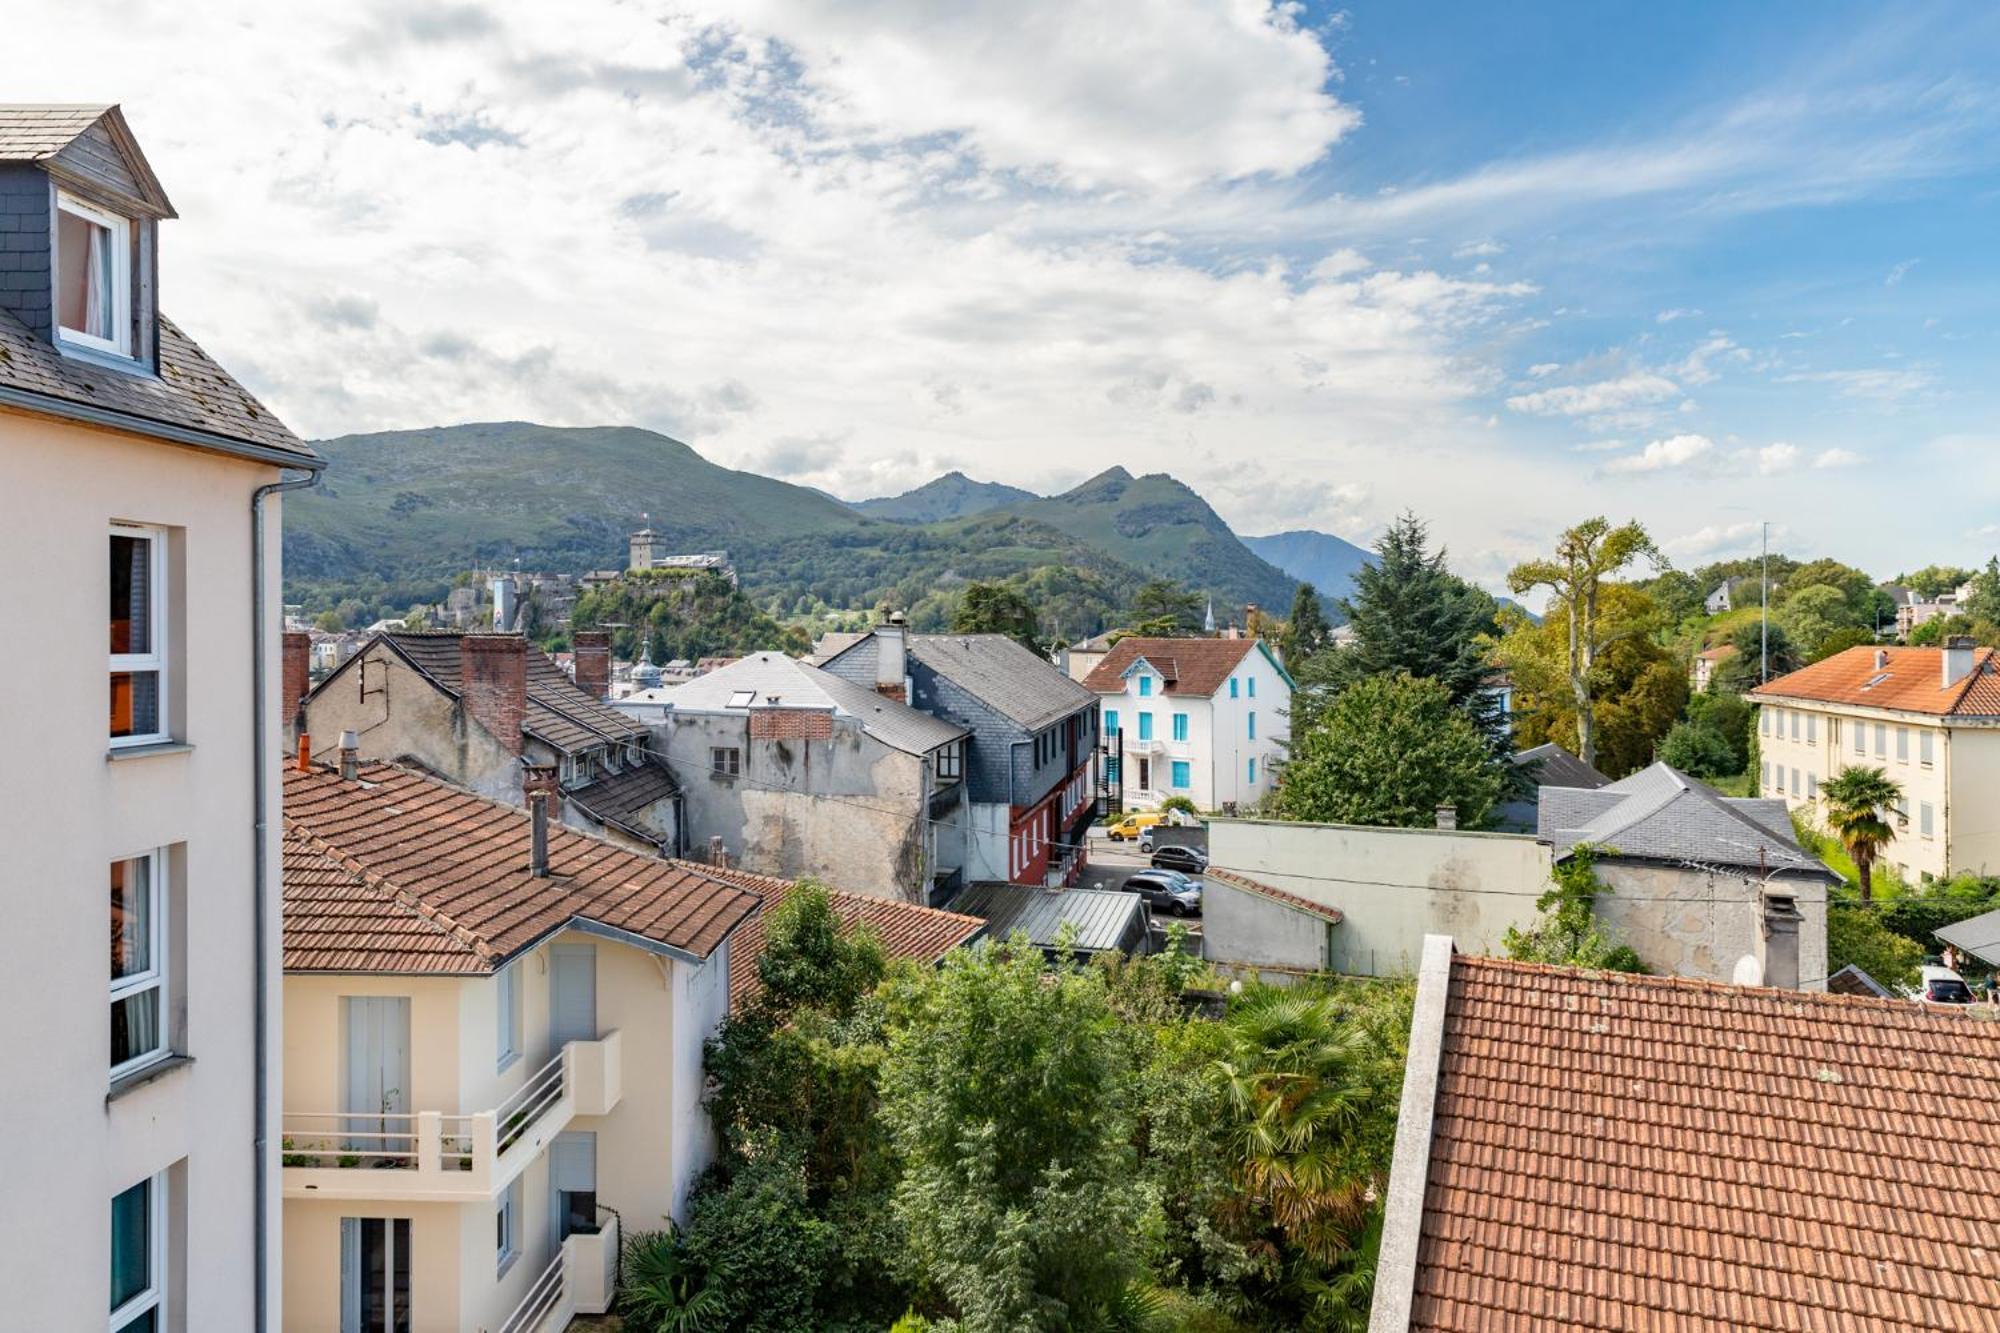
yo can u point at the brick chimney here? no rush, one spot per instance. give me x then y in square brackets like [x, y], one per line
[295, 678]
[593, 661]
[891, 660]
[494, 668]
[1957, 659]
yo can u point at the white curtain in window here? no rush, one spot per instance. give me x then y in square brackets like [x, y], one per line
[97, 285]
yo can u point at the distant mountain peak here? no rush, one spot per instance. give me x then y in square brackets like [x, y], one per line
[953, 495]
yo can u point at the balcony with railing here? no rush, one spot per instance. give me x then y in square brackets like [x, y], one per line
[433, 1156]
[581, 1279]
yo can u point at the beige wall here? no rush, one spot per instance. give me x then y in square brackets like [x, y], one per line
[1393, 886]
[404, 714]
[69, 813]
[1694, 924]
[1824, 745]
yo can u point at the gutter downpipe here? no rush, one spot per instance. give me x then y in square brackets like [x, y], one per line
[260, 915]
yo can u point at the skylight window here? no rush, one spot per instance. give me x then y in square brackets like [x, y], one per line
[93, 277]
[742, 698]
[1875, 680]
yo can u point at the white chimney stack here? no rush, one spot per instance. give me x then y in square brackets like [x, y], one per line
[1958, 650]
[891, 659]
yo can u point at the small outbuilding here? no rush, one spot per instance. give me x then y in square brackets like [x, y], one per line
[1101, 920]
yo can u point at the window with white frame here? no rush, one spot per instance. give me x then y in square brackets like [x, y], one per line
[1812, 728]
[138, 586]
[507, 1227]
[139, 1257]
[138, 962]
[1924, 818]
[1861, 738]
[1796, 788]
[1795, 724]
[93, 271]
[725, 760]
[1763, 721]
[1924, 741]
[507, 1002]
[950, 762]
[1902, 745]
[1881, 740]
[1812, 785]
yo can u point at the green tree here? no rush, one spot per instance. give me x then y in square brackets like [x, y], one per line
[1007, 1089]
[1932, 581]
[996, 608]
[1677, 593]
[1813, 615]
[1840, 640]
[1699, 750]
[1389, 751]
[1587, 556]
[1307, 631]
[1639, 687]
[1164, 608]
[1856, 936]
[1984, 601]
[1855, 801]
[1743, 672]
[1568, 931]
[1410, 614]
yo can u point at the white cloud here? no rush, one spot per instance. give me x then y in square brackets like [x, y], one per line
[1576, 400]
[1698, 367]
[1836, 458]
[1479, 250]
[1543, 369]
[1775, 458]
[1676, 451]
[1720, 540]
[1899, 271]
[1678, 312]
[1882, 386]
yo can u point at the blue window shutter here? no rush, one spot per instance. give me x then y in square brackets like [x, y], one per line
[1232, 687]
[1145, 686]
[1253, 687]
[1180, 726]
[1253, 726]
[1180, 773]
[1253, 772]
[1110, 721]
[1145, 726]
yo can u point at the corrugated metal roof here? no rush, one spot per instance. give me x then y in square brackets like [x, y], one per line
[1103, 920]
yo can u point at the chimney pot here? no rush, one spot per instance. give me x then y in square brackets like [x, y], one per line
[493, 671]
[305, 752]
[538, 842]
[1447, 817]
[593, 661]
[891, 660]
[1781, 941]
[350, 755]
[1881, 659]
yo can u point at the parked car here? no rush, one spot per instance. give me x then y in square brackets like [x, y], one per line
[1167, 891]
[1942, 986]
[1189, 860]
[1133, 825]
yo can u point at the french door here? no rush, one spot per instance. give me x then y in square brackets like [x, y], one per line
[374, 1275]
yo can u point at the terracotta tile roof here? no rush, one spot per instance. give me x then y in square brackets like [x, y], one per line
[558, 712]
[460, 863]
[1275, 894]
[1191, 666]
[1722, 653]
[1614, 1152]
[1909, 681]
[905, 929]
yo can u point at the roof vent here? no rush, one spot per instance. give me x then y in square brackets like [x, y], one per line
[1881, 659]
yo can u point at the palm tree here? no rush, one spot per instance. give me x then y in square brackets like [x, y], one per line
[1855, 799]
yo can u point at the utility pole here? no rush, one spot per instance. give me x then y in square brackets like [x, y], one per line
[1764, 612]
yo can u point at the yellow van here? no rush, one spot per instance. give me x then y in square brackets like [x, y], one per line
[1133, 825]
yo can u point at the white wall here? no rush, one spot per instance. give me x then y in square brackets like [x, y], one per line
[69, 813]
[1218, 749]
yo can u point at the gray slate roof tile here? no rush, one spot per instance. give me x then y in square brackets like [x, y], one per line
[1661, 814]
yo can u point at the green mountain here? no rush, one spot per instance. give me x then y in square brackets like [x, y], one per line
[1319, 558]
[1155, 524]
[954, 495]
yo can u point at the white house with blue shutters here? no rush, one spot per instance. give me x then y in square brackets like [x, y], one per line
[1201, 718]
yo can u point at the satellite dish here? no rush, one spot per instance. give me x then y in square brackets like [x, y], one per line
[1749, 972]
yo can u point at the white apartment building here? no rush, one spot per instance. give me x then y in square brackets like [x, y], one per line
[493, 1053]
[138, 478]
[1928, 717]
[1201, 718]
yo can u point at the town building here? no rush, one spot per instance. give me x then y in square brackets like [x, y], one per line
[493, 1053]
[1202, 718]
[1079, 659]
[144, 479]
[1545, 765]
[1593, 1150]
[1928, 717]
[649, 551]
[1029, 767]
[1076, 924]
[495, 714]
[793, 771]
[1699, 883]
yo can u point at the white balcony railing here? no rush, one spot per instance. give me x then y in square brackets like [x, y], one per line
[430, 1155]
[581, 1279]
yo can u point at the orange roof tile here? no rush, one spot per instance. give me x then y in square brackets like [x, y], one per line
[1614, 1152]
[905, 929]
[1275, 894]
[1191, 666]
[1909, 680]
[363, 855]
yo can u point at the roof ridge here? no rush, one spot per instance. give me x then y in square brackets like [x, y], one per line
[1642, 980]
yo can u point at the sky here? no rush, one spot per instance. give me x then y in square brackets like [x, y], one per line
[1703, 265]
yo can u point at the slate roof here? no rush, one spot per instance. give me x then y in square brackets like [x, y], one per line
[1910, 681]
[191, 391]
[1551, 765]
[1977, 935]
[37, 131]
[1615, 1152]
[1661, 814]
[1196, 667]
[799, 684]
[458, 863]
[1851, 980]
[558, 713]
[618, 799]
[906, 930]
[1012, 681]
[1330, 915]
[1104, 920]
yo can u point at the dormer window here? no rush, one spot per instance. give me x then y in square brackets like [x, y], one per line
[93, 263]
